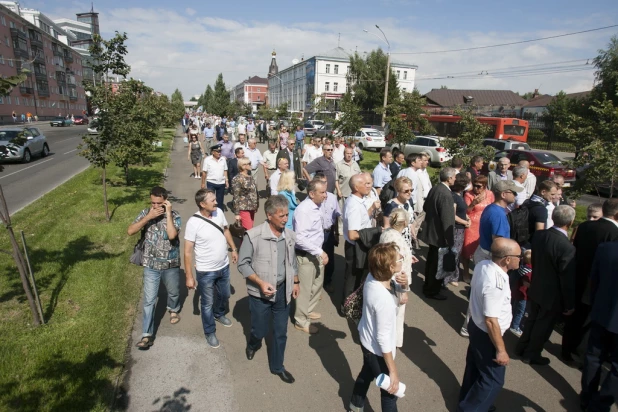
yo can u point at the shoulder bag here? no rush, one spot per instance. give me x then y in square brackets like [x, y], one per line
[353, 304]
[209, 222]
[137, 257]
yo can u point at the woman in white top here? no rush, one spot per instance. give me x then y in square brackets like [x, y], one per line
[398, 221]
[377, 327]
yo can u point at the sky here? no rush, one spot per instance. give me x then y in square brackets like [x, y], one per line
[185, 45]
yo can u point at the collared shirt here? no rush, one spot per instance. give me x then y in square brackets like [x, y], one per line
[564, 232]
[250, 127]
[530, 184]
[311, 153]
[243, 145]
[209, 132]
[490, 296]
[330, 211]
[291, 156]
[215, 169]
[299, 134]
[322, 164]
[255, 156]
[271, 159]
[381, 175]
[308, 227]
[338, 153]
[242, 129]
[550, 211]
[355, 216]
[273, 182]
[520, 198]
[344, 171]
[425, 182]
[227, 149]
[159, 252]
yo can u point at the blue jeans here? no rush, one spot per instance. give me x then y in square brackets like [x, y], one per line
[261, 312]
[214, 289]
[300, 144]
[152, 279]
[483, 378]
[373, 366]
[519, 309]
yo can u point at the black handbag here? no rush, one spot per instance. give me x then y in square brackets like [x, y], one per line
[449, 261]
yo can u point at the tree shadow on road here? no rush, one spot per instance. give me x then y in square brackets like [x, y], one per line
[177, 402]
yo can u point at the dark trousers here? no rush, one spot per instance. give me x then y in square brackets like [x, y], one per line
[373, 366]
[483, 378]
[219, 193]
[262, 311]
[329, 248]
[574, 329]
[352, 275]
[602, 346]
[537, 330]
[432, 285]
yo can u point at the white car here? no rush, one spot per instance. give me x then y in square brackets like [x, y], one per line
[430, 144]
[21, 143]
[369, 139]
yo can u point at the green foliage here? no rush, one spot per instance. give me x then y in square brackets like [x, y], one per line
[535, 135]
[266, 112]
[193, 99]
[207, 99]
[350, 119]
[282, 111]
[220, 104]
[178, 104]
[405, 114]
[607, 72]
[368, 77]
[8, 83]
[470, 141]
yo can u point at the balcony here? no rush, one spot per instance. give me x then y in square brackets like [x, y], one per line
[73, 98]
[22, 53]
[43, 92]
[58, 53]
[40, 74]
[68, 57]
[19, 34]
[26, 90]
[36, 41]
[71, 80]
[38, 58]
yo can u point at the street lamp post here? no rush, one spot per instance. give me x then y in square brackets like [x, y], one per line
[388, 70]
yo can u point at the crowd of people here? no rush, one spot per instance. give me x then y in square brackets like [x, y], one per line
[529, 273]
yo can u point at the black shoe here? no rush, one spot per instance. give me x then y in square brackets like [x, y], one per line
[437, 296]
[285, 376]
[567, 357]
[250, 353]
[492, 408]
[541, 361]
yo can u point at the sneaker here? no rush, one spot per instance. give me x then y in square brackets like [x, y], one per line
[224, 321]
[212, 340]
[516, 332]
[464, 332]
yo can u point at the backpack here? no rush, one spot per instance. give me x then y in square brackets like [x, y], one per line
[518, 221]
[388, 192]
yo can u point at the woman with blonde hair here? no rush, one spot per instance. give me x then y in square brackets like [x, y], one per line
[285, 188]
[283, 138]
[399, 221]
[245, 194]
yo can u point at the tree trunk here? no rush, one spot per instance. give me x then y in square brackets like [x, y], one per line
[105, 193]
[126, 173]
[18, 258]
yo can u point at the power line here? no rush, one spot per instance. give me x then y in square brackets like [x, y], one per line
[512, 43]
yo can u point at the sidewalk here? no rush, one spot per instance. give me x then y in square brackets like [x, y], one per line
[181, 372]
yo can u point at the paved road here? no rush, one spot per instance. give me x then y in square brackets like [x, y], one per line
[180, 372]
[24, 183]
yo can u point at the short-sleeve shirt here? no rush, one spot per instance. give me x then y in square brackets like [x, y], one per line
[255, 156]
[381, 175]
[311, 153]
[215, 169]
[355, 216]
[537, 213]
[321, 164]
[490, 296]
[344, 172]
[210, 244]
[461, 209]
[159, 252]
[493, 223]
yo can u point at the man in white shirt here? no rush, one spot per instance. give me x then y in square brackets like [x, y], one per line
[490, 317]
[530, 183]
[214, 173]
[242, 129]
[424, 180]
[519, 177]
[270, 158]
[338, 150]
[273, 182]
[312, 152]
[241, 142]
[256, 159]
[414, 162]
[207, 235]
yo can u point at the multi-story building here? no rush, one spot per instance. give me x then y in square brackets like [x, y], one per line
[31, 41]
[82, 33]
[253, 91]
[324, 76]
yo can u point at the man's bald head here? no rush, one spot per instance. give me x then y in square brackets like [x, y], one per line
[506, 253]
[356, 181]
[524, 163]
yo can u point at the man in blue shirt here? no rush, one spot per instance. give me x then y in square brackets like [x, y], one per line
[209, 134]
[382, 172]
[300, 138]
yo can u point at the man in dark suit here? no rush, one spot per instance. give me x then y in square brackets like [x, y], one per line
[232, 165]
[603, 341]
[438, 229]
[262, 131]
[293, 157]
[589, 236]
[395, 167]
[552, 290]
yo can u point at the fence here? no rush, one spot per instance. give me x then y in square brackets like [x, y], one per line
[541, 135]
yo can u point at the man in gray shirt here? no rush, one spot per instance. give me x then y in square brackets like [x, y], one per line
[324, 164]
[271, 287]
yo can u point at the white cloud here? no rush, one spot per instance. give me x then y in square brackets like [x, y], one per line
[168, 49]
[190, 11]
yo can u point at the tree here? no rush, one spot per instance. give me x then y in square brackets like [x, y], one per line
[193, 99]
[282, 111]
[443, 87]
[108, 57]
[266, 112]
[607, 73]
[470, 140]
[207, 99]
[406, 114]
[368, 78]
[178, 104]
[350, 119]
[221, 98]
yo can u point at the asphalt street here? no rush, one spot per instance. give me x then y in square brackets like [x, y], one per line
[181, 372]
[23, 183]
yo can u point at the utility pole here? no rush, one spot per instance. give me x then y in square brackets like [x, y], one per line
[388, 71]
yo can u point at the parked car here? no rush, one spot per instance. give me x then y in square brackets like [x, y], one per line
[543, 165]
[430, 144]
[327, 131]
[375, 127]
[309, 129]
[60, 121]
[21, 143]
[506, 144]
[81, 120]
[318, 124]
[369, 139]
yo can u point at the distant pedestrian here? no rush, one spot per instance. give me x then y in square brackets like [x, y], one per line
[325, 165]
[283, 137]
[299, 135]
[209, 134]
[382, 172]
[232, 164]
[214, 174]
[14, 116]
[195, 153]
[251, 129]
[267, 261]
[293, 159]
[160, 226]
[23, 118]
[208, 238]
[227, 148]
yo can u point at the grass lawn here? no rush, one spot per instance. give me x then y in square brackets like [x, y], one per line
[88, 290]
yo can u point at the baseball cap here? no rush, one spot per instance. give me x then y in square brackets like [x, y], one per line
[506, 185]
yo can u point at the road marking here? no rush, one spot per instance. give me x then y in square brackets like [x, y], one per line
[26, 168]
[71, 151]
[71, 138]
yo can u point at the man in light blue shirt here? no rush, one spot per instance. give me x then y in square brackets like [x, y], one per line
[382, 172]
[330, 223]
[300, 137]
[209, 134]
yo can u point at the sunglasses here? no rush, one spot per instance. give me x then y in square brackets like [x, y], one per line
[478, 186]
[328, 150]
[407, 191]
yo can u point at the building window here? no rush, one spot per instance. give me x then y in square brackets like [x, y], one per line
[17, 101]
[328, 68]
[326, 86]
[1, 100]
[11, 24]
[335, 86]
[3, 20]
[1, 59]
[259, 90]
[405, 75]
[398, 74]
[336, 71]
[8, 99]
[6, 40]
[11, 62]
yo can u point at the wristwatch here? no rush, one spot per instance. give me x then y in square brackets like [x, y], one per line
[229, 249]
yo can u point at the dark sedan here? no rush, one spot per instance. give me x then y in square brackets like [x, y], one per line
[544, 165]
[81, 120]
[60, 121]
